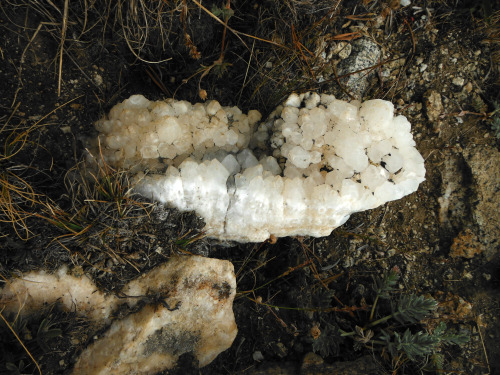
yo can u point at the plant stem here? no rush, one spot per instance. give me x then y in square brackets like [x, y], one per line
[345, 334]
[381, 320]
[373, 307]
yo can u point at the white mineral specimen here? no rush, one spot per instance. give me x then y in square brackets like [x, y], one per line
[329, 159]
[74, 293]
[188, 310]
[195, 314]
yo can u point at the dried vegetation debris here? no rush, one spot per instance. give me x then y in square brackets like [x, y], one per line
[438, 47]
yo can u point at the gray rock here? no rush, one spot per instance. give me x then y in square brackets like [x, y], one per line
[365, 54]
[434, 108]
[484, 163]
[454, 208]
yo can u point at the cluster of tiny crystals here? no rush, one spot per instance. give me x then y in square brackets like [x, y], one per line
[303, 171]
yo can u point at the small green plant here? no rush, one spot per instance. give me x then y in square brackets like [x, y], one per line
[46, 332]
[20, 348]
[384, 286]
[328, 340]
[224, 11]
[495, 119]
[187, 239]
[400, 332]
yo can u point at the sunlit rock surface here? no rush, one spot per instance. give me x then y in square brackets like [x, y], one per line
[192, 313]
[304, 171]
[182, 306]
[77, 293]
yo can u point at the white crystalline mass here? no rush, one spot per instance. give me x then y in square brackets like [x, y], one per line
[329, 158]
[195, 314]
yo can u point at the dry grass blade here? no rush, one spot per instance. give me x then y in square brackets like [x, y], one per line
[284, 274]
[19, 75]
[235, 32]
[15, 191]
[18, 198]
[480, 325]
[348, 36]
[134, 33]
[13, 196]
[63, 38]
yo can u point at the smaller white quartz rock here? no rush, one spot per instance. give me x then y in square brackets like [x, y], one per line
[195, 315]
[36, 289]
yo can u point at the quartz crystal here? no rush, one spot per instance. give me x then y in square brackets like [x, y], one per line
[303, 171]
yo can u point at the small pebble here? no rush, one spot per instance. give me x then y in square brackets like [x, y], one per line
[468, 276]
[458, 81]
[348, 262]
[257, 356]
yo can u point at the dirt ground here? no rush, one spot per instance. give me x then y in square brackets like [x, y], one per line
[62, 68]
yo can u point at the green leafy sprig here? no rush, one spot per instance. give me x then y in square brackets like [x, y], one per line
[383, 287]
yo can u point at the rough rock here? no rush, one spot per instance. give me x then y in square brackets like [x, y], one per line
[484, 164]
[454, 203]
[192, 313]
[471, 189]
[434, 108]
[78, 293]
[365, 54]
[181, 307]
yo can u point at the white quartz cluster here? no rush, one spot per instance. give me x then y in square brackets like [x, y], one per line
[139, 133]
[304, 171]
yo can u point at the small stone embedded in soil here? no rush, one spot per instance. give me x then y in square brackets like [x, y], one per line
[433, 105]
[458, 81]
[391, 252]
[257, 356]
[466, 245]
[365, 54]
[453, 307]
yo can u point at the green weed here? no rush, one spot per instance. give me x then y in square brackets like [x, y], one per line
[401, 332]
